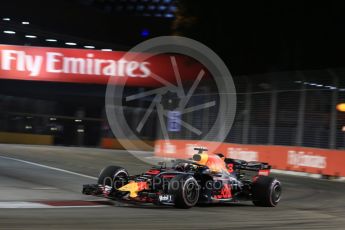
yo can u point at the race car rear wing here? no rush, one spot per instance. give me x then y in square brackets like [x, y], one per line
[261, 167]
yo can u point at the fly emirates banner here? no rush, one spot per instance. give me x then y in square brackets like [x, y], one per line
[90, 66]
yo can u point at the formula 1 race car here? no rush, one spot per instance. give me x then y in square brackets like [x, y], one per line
[207, 178]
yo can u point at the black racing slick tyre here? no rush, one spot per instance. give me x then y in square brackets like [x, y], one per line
[185, 190]
[266, 191]
[113, 176]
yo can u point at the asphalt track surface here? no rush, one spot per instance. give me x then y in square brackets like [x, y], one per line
[306, 204]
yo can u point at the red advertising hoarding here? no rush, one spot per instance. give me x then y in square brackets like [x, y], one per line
[89, 66]
[292, 158]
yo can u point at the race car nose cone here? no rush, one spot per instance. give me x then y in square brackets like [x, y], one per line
[133, 188]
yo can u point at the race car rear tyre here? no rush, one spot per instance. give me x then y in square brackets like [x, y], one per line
[266, 191]
[113, 176]
[185, 190]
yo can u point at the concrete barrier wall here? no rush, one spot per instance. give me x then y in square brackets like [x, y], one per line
[35, 139]
[24, 138]
[112, 143]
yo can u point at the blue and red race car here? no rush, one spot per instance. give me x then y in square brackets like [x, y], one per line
[207, 178]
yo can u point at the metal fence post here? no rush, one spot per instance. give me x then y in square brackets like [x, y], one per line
[333, 120]
[301, 113]
[247, 113]
[206, 112]
[273, 117]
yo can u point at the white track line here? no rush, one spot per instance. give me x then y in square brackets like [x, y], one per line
[304, 174]
[294, 173]
[49, 167]
[23, 204]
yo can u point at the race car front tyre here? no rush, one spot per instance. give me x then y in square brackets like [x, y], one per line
[185, 190]
[113, 176]
[266, 191]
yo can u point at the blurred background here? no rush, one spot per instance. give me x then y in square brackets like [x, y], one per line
[286, 58]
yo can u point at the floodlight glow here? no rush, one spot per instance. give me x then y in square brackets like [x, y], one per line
[9, 32]
[71, 43]
[30, 36]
